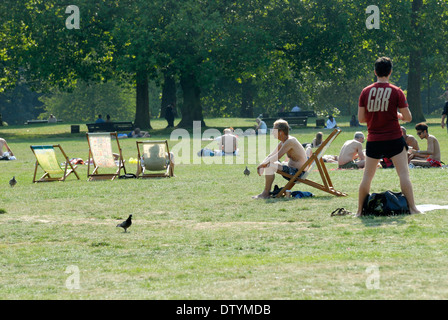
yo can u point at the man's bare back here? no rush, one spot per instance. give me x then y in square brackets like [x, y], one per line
[350, 151]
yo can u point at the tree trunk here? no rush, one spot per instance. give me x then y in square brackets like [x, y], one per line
[247, 99]
[142, 117]
[415, 72]
[168, 93]
[191, 108]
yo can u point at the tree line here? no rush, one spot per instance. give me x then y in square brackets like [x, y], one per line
[223, 57]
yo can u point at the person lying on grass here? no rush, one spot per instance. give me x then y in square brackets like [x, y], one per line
[288, 145]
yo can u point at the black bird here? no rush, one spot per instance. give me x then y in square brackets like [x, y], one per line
[246, 172]
[13, 182]
[125, 224]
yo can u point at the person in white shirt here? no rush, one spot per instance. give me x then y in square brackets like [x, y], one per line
[331, 123]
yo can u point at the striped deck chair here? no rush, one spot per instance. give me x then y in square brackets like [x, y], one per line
[47, 160]
[101, 157]
[154, 159]
[314, 160]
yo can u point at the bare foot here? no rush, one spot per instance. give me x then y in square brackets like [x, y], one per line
[263, 195]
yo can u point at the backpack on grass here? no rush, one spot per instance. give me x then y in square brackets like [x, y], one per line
[386, 203]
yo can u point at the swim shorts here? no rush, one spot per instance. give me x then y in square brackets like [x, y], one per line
[434, 163]
[385, 149]
[349, 165]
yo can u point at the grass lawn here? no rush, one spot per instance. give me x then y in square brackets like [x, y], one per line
[200, 235]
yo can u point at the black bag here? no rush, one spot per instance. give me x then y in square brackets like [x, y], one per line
[387, 203]
[128, 176]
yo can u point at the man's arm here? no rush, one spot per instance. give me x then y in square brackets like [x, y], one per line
[429, 151]
[362, 114]
[405, 115]
[361, 155]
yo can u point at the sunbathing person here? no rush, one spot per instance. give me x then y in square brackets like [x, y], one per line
[228, 143]
[288, 145]
[351, 151]
[433, 150]
[3, 144]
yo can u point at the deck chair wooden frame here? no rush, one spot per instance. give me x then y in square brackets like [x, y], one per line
[47, 160]
[101, 156]
[314, 160]
[167, 172]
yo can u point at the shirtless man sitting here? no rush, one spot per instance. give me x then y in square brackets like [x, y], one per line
[228, 142]
[3, 144]
[288, 145]
[433, 150]
[352, 150]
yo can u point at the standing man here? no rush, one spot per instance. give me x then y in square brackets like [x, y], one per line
[350, 151]
[169, 115]
[432, 152]
[381, 106]
[445, 109]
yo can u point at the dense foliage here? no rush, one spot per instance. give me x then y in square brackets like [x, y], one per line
[225, 58]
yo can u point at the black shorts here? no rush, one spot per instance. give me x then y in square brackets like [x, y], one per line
[385, 149]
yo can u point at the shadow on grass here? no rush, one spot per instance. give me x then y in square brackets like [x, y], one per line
[377, 221]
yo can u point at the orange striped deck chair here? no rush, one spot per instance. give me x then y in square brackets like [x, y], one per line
[46, 158]
[106, 164]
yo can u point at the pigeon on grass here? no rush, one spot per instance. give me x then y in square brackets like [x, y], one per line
[13, 182]
[125, 224]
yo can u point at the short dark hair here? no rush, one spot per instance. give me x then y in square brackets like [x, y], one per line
[421, 126]
[383, 66]
[282, 125]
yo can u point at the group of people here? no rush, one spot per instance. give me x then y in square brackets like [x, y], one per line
[386, 139]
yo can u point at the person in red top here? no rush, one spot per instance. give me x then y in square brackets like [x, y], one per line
[381, 106]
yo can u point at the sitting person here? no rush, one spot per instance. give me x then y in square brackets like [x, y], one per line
[288, 145]
[3, 144]
[52, 119]
[432, 152]
[354, 122]
[412, 144]
[228, 143]
[331, 123]
[410, 139]
[350, 151]
[317, 141]
[261, 127]
[100, 119]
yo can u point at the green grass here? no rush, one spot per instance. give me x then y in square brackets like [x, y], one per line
[201, 236]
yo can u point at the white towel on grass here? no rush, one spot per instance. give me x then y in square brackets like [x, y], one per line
[430, 207]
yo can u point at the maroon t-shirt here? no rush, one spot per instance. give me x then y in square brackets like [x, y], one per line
[382, 101]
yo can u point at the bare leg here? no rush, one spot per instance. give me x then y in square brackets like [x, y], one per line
[269, 179]
[269, 176]
[401, 166]
[364, 188]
